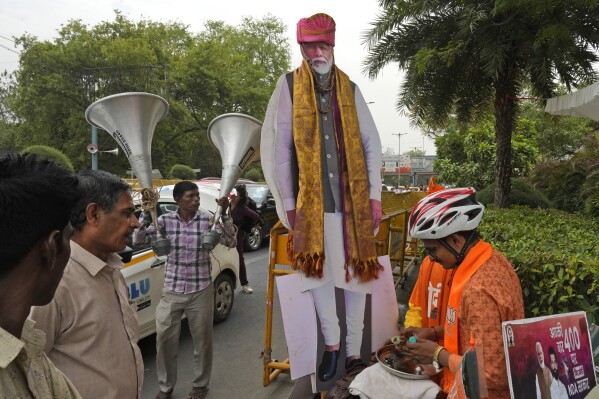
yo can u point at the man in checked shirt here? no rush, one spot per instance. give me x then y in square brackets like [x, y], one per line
[187, 287]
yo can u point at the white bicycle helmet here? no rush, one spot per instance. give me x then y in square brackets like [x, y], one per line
[445, 212]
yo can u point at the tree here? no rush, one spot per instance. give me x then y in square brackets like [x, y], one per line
[8, 127]
[464, 58]
[466, 156]
[572, 184]
[222, 69]
[229, 70]
[557, 137]
[415, 152]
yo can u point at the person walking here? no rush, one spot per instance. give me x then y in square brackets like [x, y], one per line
[244, 218]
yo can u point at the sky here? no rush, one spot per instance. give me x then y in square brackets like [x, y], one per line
[43, 18]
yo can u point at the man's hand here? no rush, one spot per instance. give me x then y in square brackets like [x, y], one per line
[422, 349]
[223, 202]
[420, 332]
[377, 212]
[291, 218]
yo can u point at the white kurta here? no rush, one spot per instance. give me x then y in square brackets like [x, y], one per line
[277, 149]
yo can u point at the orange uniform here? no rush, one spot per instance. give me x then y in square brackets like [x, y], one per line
[428, 301]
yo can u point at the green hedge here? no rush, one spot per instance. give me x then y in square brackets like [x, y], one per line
[182, 172]
[50, 154]
[522, 194]
[254, 172]
[556, 256]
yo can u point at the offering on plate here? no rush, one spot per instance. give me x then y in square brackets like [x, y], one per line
[402, 362]
[399, 363]
[401, 340]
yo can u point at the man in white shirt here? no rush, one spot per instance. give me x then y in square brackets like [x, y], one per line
[558, 389]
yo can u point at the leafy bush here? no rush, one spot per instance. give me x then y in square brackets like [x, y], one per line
[50, 154]
[254, 173]
[591, 205]
[182, 172]
[522, 194]
[572, 184]
[555, 254]
[561, 181]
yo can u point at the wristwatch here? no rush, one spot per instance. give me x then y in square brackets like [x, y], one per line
[436, 363]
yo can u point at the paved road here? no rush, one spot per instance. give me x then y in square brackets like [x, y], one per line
[238, 343]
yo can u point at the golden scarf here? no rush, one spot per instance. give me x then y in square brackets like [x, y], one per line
[307, 241]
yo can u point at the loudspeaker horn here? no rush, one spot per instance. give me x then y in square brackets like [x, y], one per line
[113, 152]
[130, 118]
[92, 148]
[237, 139]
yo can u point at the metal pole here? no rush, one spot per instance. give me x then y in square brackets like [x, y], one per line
[399, 152]
[95, 142]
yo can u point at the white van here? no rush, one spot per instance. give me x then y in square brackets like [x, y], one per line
[144, 274]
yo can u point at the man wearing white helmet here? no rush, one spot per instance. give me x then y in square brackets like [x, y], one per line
[485, 290]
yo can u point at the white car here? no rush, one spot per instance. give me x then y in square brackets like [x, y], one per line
[144, 273]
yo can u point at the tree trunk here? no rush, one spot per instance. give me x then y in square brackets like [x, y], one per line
[505, 88]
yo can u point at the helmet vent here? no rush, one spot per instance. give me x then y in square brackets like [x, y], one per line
[473, 213]
[447, 218]
[426, 226]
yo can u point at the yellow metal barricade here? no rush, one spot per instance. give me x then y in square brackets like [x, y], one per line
[135, 186]
[278, 256]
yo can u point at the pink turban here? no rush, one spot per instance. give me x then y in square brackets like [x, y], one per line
[318, 28]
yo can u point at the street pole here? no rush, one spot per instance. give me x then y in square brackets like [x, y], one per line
[95, 154]
[399, 152]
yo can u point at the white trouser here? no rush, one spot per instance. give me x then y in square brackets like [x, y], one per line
[323, 290]
[355, 303]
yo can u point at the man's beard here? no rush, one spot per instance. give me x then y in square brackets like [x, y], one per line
[554, 373]
[322, 69]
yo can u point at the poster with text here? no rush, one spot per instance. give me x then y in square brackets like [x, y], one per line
[549, 357]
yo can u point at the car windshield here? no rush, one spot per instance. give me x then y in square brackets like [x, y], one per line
[257, 192]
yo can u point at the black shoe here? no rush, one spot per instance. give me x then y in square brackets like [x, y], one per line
[328, 366]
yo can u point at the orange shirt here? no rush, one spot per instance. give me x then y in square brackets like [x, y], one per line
[491, 296]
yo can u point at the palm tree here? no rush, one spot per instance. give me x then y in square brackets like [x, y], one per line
[464, 57]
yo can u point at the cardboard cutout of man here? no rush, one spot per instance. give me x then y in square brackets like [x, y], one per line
[326, 180]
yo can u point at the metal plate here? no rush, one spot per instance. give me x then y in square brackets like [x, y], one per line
[389, 351]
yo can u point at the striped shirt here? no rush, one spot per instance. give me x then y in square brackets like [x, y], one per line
[188, 268]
